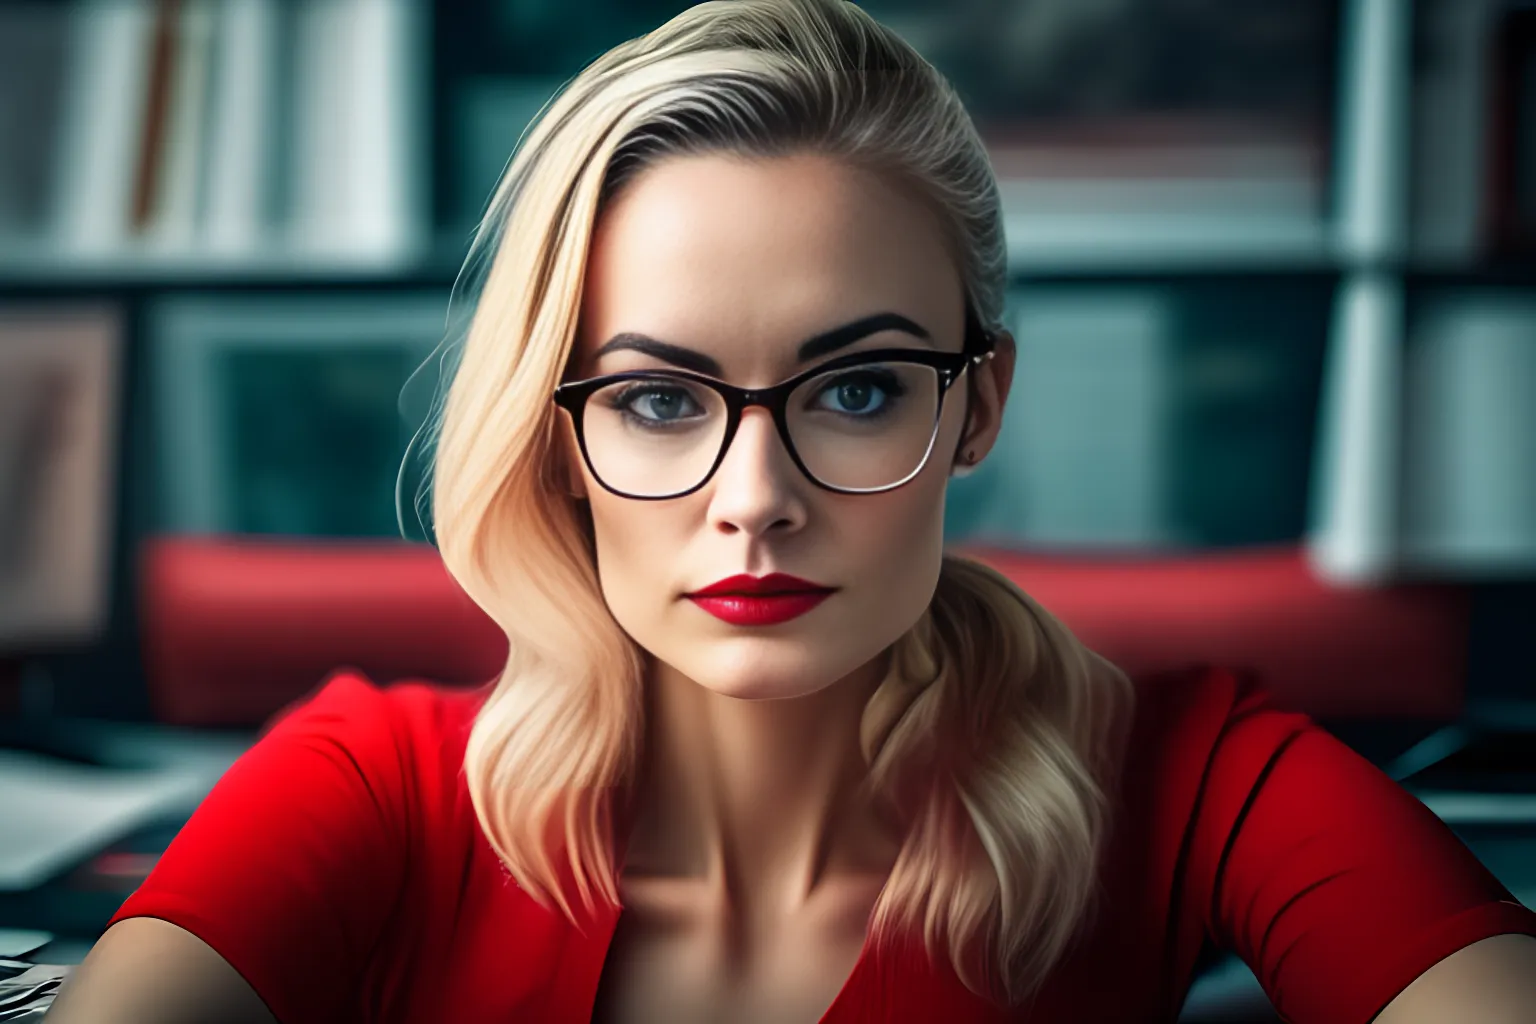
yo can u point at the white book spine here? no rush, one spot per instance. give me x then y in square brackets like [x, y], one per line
[104, 122]
[322, 50]
[357, 143]
[383, 146]
[241, 125]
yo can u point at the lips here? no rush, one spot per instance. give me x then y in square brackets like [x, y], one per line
[773, 583]
[766, 601]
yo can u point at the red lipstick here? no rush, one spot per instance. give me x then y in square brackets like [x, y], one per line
[753, 601]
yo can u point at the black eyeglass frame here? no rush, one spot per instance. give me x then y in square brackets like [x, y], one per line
[980, 345]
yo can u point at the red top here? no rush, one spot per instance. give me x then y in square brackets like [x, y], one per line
[338, 866]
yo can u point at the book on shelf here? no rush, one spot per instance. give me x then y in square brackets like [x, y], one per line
[353, 171]
[242, 121]
[171, 150]
[110, 51]
[227, 129]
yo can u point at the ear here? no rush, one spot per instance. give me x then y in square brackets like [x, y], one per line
[987, 395]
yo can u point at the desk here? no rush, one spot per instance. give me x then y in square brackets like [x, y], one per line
[79, 837]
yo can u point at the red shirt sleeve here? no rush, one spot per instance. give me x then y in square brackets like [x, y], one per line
[291, 865]
[1334, 884]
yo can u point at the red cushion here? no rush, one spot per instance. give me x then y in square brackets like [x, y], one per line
[1325, 650]
[235, 629]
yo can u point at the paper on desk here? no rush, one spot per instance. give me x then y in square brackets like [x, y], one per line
[54, 814]
[21, 941]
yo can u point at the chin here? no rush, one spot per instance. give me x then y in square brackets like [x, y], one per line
[761, 688]
[751, 672]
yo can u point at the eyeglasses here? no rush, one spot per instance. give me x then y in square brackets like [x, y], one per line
[859, 424]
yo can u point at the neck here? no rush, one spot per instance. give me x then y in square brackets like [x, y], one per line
[761, 800]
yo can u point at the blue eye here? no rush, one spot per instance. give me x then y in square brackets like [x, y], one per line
[652, 404]
[863, 394]
[664, 404]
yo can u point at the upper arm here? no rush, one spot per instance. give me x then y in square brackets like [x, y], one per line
[1334, 884]
[291, 866]
[151, 971]
[1492, 981]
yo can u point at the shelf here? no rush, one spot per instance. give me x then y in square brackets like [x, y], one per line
[1078, 242]
[1064, 245]
[1067, 244]
[48, 268]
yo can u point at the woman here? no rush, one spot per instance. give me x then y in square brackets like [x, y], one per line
[739, 327]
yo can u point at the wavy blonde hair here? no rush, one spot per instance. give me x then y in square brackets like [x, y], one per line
[995, 733]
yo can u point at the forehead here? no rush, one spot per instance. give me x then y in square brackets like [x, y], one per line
[747, 257]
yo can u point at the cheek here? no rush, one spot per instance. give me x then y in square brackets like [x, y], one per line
[901, 534]
[899, 538]
[889, 549]
[631, 556]
[621, 558]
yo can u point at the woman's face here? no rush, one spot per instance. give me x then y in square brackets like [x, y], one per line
[742, 261]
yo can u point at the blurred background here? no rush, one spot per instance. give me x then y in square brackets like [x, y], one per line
[1272, 282]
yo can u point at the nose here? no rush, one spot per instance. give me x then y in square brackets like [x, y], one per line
[756, 487]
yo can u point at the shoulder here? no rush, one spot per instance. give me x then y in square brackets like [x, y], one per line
[1183, 715]
[401, 744]
[1278, 841]
[409, 715]
[307, 849]
[1202, 737]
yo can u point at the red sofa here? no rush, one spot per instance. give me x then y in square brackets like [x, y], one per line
[236, 628]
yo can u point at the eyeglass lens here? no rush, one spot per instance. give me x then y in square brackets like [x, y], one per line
[860, 428]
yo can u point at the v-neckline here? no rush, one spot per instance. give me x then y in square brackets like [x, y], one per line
[583, 967]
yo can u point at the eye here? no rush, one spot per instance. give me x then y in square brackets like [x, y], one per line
[651, 402]
[860, 393]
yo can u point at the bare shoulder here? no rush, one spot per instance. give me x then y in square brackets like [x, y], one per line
[145, 969]
[1492, 981]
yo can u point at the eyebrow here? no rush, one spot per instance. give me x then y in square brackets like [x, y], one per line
[813, 348]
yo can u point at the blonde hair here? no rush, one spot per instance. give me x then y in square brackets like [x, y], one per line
[995, 732]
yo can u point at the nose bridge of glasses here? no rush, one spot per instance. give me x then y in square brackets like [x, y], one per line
[766, 397]
[765, 400]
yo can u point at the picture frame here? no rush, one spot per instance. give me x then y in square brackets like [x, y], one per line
[60, 384]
